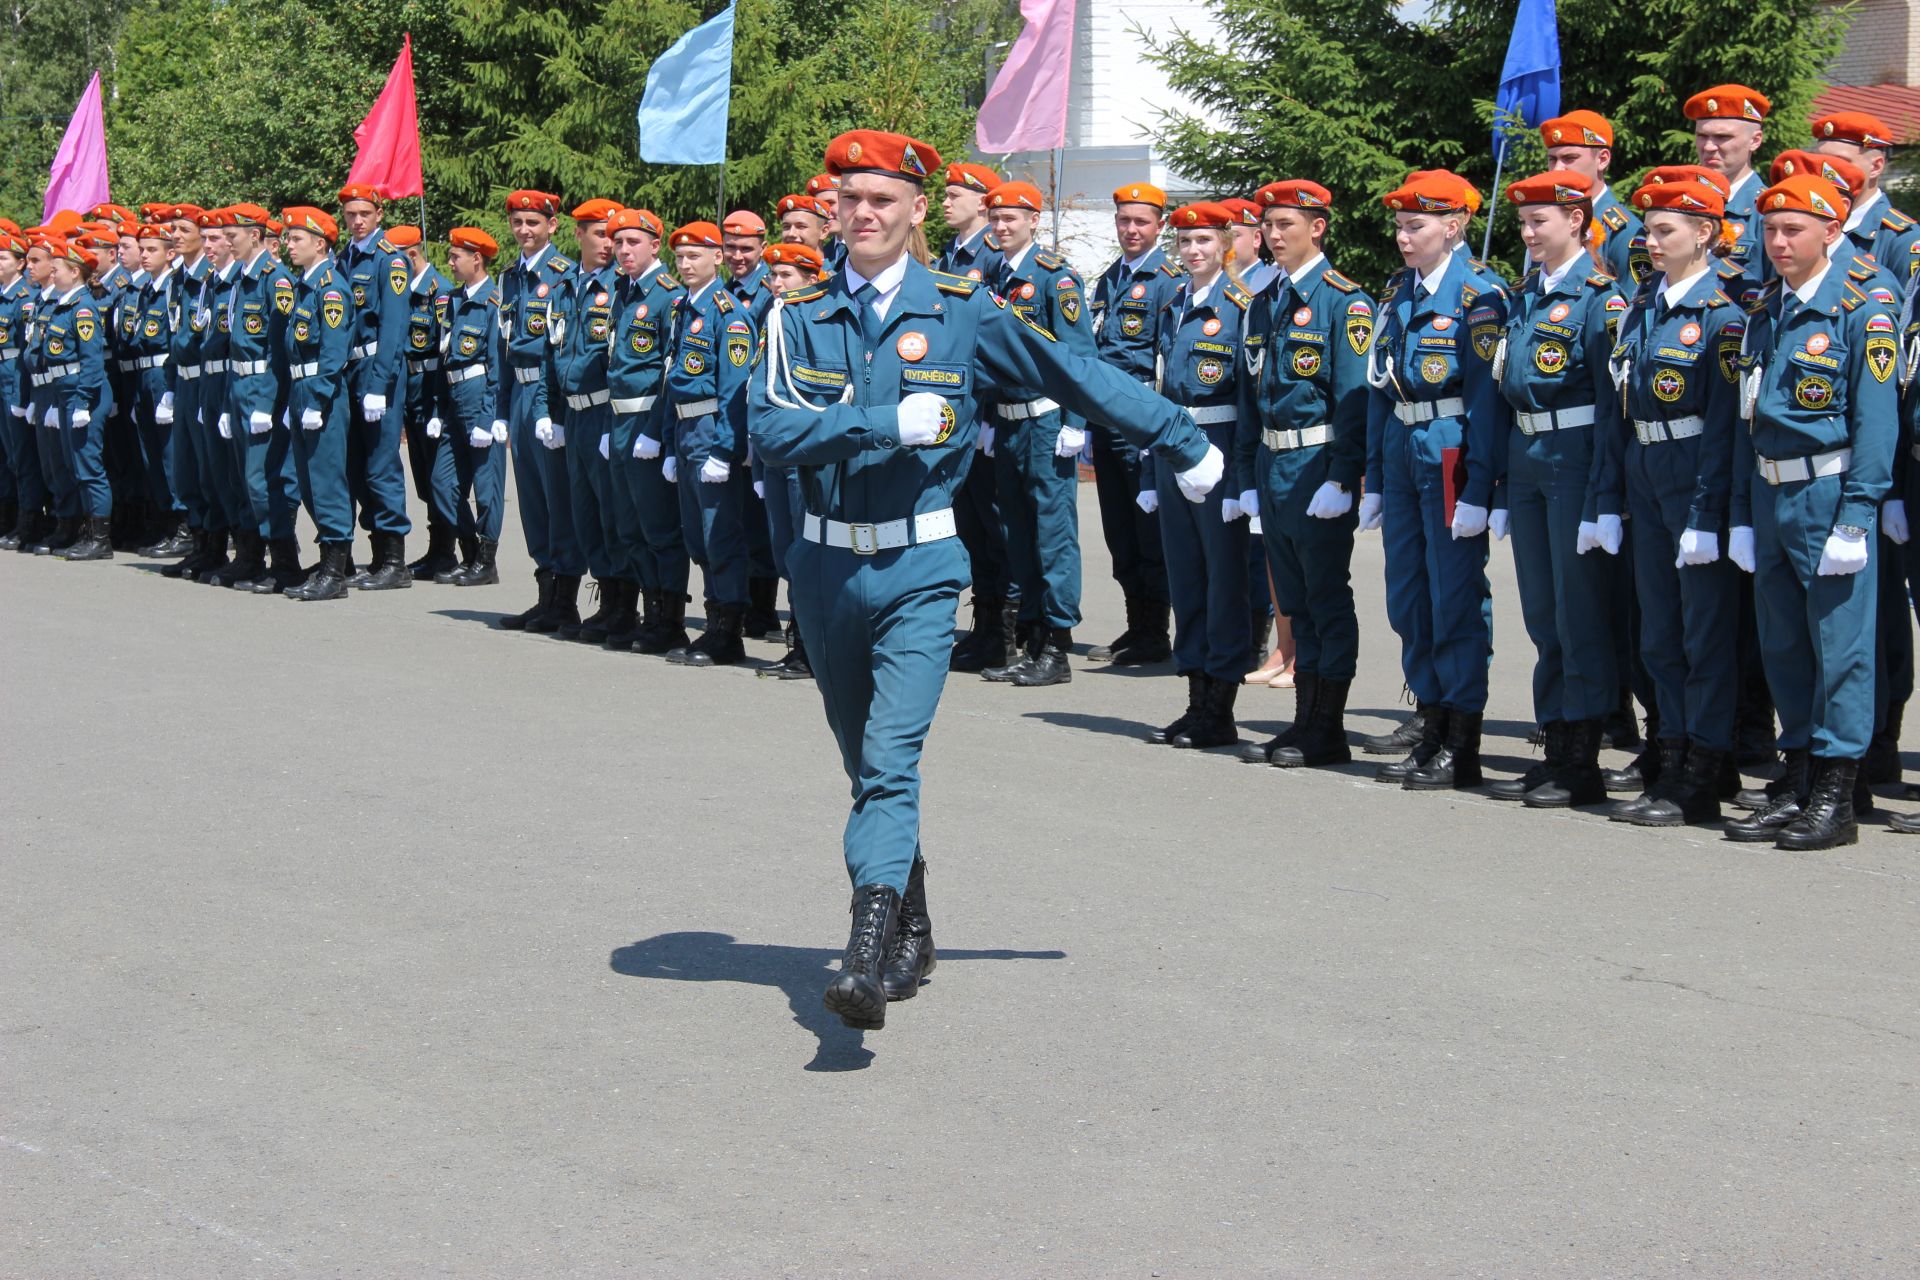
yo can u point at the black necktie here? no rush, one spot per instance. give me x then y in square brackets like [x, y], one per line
[864, 300]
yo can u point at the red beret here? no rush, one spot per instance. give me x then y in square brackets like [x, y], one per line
[974, 177]
[1696, 198]
[1294, 193]
[184, 213]
[805, 204]
[823, 182]
[1016, 195]
[703, 235]
[72, 252]
[111, 213]
[1244, 211]
[871, 151]
[363, 191]
[1727, 102]
[152, 231]
[1804, 193]
[1432, 191]
[636, 220]
[1556, 186]
[156, 212]
[1140, 193]
[596, 210]
[1688, 175]
[1845, 175]
[744, 222]
[1857, 127]
[1577, 129]
[475, 239]
[1194, 217]
[534, 202]
[403, 237]
[301, 217]
[793, 255]
[247, 215]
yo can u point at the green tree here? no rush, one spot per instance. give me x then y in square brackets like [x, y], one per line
[47, 53]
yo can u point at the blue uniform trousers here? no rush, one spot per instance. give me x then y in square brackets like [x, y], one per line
[540, 482]
[268, 490]
[659, 553]
[432, 484]
[710, 524]
[1688, 617]
[188, 467]
[756, 523]
[1438, 600]
[879, 633]
[976, 515]
[1132, 536]
[589, 487]
[1037, 504]
[629, 539]
[23, 460]
[1816, 633]
[320, 463]
[1893, 638]
[9, 486]
[374, 472]
[78, 480]
[1565, 598]
[159, 485]
[469, 473]
[120, 454]
[1311, 562]
[1206, 561]
[218, 454]
[785, 511]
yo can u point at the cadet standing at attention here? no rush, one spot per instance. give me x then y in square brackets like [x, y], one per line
[192, 448]
[789, 267]
[475, 453]
[425, 431]
[582, 322]
[868, 386]
[1729, 128]
[73, 397]
[318, 333]
[211, 315]
[1874, 227]
[743, 236]
[1582, 142]
[257, 309]
[17, 494]
[169, 471]
[376, 372]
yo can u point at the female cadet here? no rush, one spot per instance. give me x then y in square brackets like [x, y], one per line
[72, 402]
[1669, 463]
[1552, 368]
[788, 266]
[1206, 542]
[20, 495]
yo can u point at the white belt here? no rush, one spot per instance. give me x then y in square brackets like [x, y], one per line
[246, 368]
[696, 409]
[1414, 412]
[1677, 429]
[1212, 415]
[525, 373]
[364, 350]
[870, 539]
[1532, 424]
[633, 404]
[9, 353]
[143, 362]
[1281, 441]
[215, 366]
[307, 370]
[54, 374]
[589, 400]
[470, 371]
[425, 364]
[1787, 470]
[187, 371]
[1030, 409]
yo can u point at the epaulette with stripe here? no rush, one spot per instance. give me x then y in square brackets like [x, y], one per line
[1853, 300]
[1601, 280]
[1467, 294]
[1894, 220]
[669, 282]
[1339, 282]
[1716, 299]
[1614, 217]
[1049, 261]
[1764, 297]
[558, 264]
[1238, 295]
[723, 300]
[805, 293]
[1173, 269]
[960, 286]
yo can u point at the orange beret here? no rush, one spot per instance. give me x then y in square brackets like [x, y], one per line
[805, 204]
[13, 244]
[1727, 102]
[1016, 195]
[822, 182]
[1804, 193]
[974, 177]
[1294, 193]
[1194, 217]
[475, 239]
[1696, 198]
[1684, 174]
[403, 237]
[744, 222]
[534, 202]
[1845, 175]
[301, 217]
[1244, 211]
[111, 213]
[596, 211]
[793, 255]
[363, 191]
[127, 231]
[1857, 127]
[72, 251]
[1432, 191]
[9, 226]
[155, 212]
[152, 231]
[636, 220]
[247, 215]
[1140, 193]
[213, 218]
[870, 151]
[1556, 186]
[702, 235]
[275, 226]
[184, 213]
[63, 220]
[1577, 129]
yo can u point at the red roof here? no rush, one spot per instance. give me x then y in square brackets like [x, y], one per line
[1896, 104]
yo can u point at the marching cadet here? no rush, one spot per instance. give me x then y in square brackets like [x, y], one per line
[1436, 444]
[317, 335]
[527, 304]
[744, 234]
[1253, 271]
[646, 504]
[1129, 301]
[211, 315]
[1582, 142]
[975, 254]
[825, 188]
[149, 352]
[803, 220]
[1037, 448]
[1300, 447]
[1666, 464]
[472, 465]
[583, 320]
[1552, 368]
[193, 475]
[376, 381]
[1875, 228]
[1728, 130]
[257, 310]
[21, 488]
[704, 417]
[868, 387]
[1205, 542]
[1811, 469]
[74, 397]
[421, 425]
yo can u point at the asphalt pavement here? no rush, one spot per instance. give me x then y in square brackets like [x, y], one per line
[362, 939]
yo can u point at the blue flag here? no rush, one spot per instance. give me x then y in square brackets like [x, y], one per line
[1530, 78]
[683, 115]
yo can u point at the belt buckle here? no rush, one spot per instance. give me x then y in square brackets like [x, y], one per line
[865, 539]
[1770, 471]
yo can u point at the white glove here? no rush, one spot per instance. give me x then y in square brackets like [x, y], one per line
[1842, 555]
[1469, 521]
[480, 438]
[1148, 500]
[1893, 520]
[985, 443]
[1250, 503]
[1197, 481]
[259, 423]
[1498, 523]
[1329, 502]
[499, 431]
[645, 447]
[760, 490]
[1369, 512]
[373, 408]
[1069, 442]
[670, 469]
[557, 435]
[80, 419]
[1230, 510]
[714, 471]
[918, 419]
[434, 427]
[310, 419]
[1698, 546]
[226, 427]
[163, 412]
[1740, 546]
[606, 445]
[543, 432]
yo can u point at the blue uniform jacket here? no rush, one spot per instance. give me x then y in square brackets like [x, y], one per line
[710, 353]
[426, 300]
[13, 325]
[1044, 290]
[1305, 366]
[643, 312]
[379, 278]
[527, 303]
[184, 320]
[1127, 305]
[72, 333]
[1622, 238]
[1890, 238]
[585, 313]
[978, 259]
[469, 336]
[257, 311]
[750, 288]
[318, 333]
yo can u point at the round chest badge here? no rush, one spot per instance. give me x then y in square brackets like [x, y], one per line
[1689, 334]
[694, 362]
[975, 274]
[1551, 357]
[1303, 316]
[1138, 291]
[912, 346]
[1026, 292]
[1434, 369]
[1442, 323]
[1210, 372]
[1818, 343]
[1306, 362]
[600, 299]
[1560, 311]
[1813, 392]
[641, 314]
[1130, 325]
[696, 326]
[1210, 328]
[540, 291]
[1668, 385]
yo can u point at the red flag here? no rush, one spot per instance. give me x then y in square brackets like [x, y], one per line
[389, 138]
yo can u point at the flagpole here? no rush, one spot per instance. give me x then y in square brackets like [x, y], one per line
[1493, 200]
[720, 200]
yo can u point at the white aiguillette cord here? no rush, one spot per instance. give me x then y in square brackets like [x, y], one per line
[779, 371]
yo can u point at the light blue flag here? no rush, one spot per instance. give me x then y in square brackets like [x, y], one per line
[1530, 79]
[683, 115]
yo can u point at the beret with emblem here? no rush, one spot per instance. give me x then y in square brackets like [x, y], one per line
[247, 215]
[152, 231]
[892, 155]
[1577, 129]
[1245, 212]
[363, 191]
[274, 226]
[1140, 193]
[475, 239]
[1857, 127]
[974, 177]
[1206, 213]
[696, 235]
[403, 237]
[71, 251]
[1294, 193]
[802, 204]
[1432, 191]
[211, 218]
[822, 182]
[155, 212]
[793, 255]
[598, 210]
[744, 222]
[184, 213]
[1556, 186]
[1846, 176]
[1803, 193]
[302, 217]
[115, 213]
[1696, 198]
[1727, 102]
[9, 226]
[12, 244]
[1695, 174]
[525, 201]
[636, 220]
[1016, 195]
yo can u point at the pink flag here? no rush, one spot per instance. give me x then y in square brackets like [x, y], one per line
[1026, 109]
[389, 138]
[78, 179]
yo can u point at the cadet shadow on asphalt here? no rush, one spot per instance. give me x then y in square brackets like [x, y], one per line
[802, 973]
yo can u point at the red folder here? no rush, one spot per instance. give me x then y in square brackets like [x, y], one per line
[1453, 478]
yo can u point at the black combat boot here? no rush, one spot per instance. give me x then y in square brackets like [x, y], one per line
[1882, 766]
[186, 565]
[328, 581]
[1644, 769]
[485, 569]
[1433, 735]
[563, 606]
[1019, 639]
[1577, 780]
[1305, 683]
[669, 632]
[1150, 622]
[469, 557]
[439, 558]
[1828, 821]
[911, 958]
[94, 543]
[1049, 663]
[9, 520]
[1694, 798]
[720, 644]
[859, 993]
[1214, 726]
[283, 568]
[646, 613]
[519, 621]
[17, 528]
[1397, 742]
[64, 533]
[762, 617]
[1553, 737]
[1787, 797]
[623, 617]
[249, 562]
[1125, 640]
[986, 644]
[794, 666]
[388, 572]
[1324, 741]
[1666, 766]
[175, 540]
[1456, 766]
[1621, 728]
[1196, 691]
[608, 595]
[218, 545]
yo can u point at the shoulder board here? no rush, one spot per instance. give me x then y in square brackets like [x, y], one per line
[722, 300]
[962, 285]
[668, 282]
[1765, 296]
[1467, 294]
[1718, 299]
[1853, 299]
[1600, 280]
[558, 263]
[1476, 263]
[805, 293]
[1896, 220]
[1238, 296]
[1339, 282]
[384, 245]
[1171, 269]
[991, 243]
[1049, 261]
[1614, 217]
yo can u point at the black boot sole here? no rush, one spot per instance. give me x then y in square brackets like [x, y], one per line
[860, 1005]
[1849, 834]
